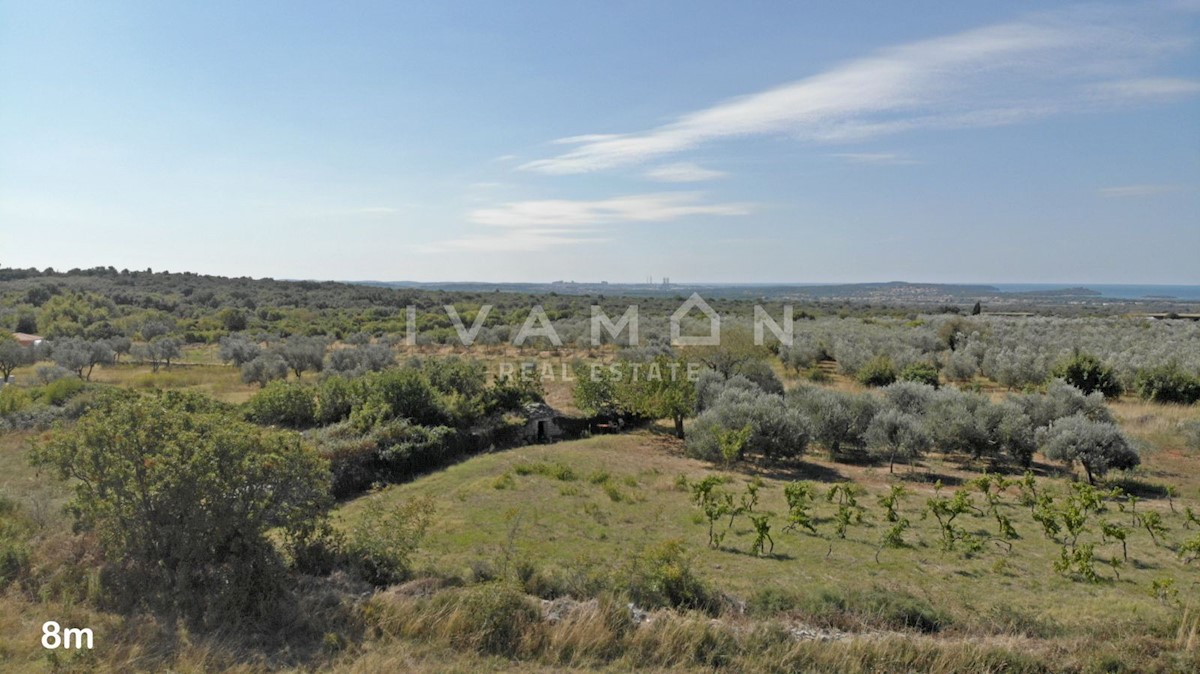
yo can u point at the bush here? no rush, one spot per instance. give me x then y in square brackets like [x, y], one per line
[155, 480]
[493, 618]
[284, 404]
[336, 399]
[662, 577]
[15, 530]
[920, 372]
[60, 391]
[1167, 384]
[1086, 373]
[1191, 433]
[399, 394]
[13, 399]
[380, 545]
[879, 371]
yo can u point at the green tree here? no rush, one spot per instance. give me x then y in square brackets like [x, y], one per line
[879, 371]
[182, 495]
[1086, 373]
[1167, 383]
[921, 372]
[596, 390]
[661, 390]
[68, 314]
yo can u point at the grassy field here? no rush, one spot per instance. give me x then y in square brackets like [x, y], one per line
[589, 507]
[573, 516]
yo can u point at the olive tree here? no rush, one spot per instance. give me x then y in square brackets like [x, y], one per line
[898, 434]
[12, 355]
[238, 349]
[837, 420]
[1098, 446]
[81, 356]
[264, 369]
[303, 354]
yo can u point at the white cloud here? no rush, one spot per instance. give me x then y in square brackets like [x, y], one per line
[581, 213]
[530, 240]
[682, 172]
[1146, 88]
[1000, 74]
[537, 225]
[875, 158]
[1125, 191]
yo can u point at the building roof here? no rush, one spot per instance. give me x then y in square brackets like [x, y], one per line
[26, 338]
[539, 411]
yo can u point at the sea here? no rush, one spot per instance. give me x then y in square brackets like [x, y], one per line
[1115, 291]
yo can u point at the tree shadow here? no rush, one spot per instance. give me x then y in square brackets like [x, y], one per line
[793, 471]
[780, 556]
[931, 477]
[1140, 488]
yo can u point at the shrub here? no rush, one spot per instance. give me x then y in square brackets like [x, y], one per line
[1191, 433]
[60, 391]
[13, 399]
[155, 479]
[380, 545]
[920, 372]
[336, 398]
[399, 394]
[283, 403]
[493, 618]
[1086, 373]
[663, 577]
[1167, 384]
[879, 371]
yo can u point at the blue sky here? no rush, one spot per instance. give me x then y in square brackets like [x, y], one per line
[704, 141]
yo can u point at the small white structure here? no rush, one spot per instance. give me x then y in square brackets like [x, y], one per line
[541, 423]
[25, 339]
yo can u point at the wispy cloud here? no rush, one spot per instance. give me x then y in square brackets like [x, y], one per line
[530, 240]
[1146, 88]
[1000, 74]
[581, 213]
[1129, 191]
[536, 225]
[683, 172]
[875, 158]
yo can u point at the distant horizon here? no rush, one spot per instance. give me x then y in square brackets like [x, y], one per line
[657, 280]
